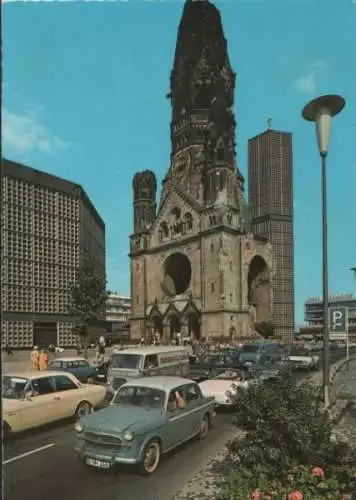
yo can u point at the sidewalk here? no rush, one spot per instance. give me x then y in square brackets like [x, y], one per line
[21, 361]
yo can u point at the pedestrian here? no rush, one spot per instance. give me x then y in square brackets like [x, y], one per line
[9, 351]
[43, 360]
[100, 353]
[34, 359]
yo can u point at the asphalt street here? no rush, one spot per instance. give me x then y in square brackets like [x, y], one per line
[44, 464]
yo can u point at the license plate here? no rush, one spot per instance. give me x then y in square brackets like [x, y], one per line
[101, 376]
[101, 464]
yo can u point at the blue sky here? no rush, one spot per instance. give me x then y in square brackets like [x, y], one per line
[84, 98]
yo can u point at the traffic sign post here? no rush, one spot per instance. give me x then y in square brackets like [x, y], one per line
[339, 323]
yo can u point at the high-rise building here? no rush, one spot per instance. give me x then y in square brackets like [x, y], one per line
[194, 267]
[270, 191]
[48, 225]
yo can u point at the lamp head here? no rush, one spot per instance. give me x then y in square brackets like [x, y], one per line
[320, 111]
[353, 270]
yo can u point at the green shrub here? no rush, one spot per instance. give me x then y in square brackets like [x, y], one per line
[287, 434]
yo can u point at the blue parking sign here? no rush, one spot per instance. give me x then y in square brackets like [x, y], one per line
[338, 319]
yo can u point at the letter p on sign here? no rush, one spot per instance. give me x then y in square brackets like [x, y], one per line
[338, 319]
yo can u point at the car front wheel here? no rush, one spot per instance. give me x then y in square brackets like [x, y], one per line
[151, 458]
[83, 409]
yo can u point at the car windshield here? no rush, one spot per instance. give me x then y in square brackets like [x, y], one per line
[299, 351]
[55, 364]
[251, 348]
[126, 361]
[140, 396]
[13, 387]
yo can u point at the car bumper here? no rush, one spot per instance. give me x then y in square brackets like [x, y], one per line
[110, 458]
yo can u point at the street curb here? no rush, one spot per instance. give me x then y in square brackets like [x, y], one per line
[339, 407]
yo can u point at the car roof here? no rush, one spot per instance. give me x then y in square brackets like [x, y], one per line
[151, 350]
[32, 375]
[69, 358]
[163, 383]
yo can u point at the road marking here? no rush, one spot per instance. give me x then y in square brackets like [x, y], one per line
[28, 453]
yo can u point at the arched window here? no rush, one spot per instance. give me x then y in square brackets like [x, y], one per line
[188, 221]
[176, 213]
[164, 229]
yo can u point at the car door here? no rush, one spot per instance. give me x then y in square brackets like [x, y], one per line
[194, 399]
[68, 395]
[177, 426]
[42, 405]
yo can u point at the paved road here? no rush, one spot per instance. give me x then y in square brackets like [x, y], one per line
[53, 469]
[44, 464]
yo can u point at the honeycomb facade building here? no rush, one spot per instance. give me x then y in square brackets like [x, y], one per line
[47, 226]
[270, 172]
[195, 267]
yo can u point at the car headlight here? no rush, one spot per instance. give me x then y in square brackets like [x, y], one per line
[79, 427]
[128, 436]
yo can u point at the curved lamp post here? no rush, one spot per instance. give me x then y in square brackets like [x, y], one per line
[353, 270]
[320, 111]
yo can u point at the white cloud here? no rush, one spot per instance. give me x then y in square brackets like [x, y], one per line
[306, 84]
[24, 133]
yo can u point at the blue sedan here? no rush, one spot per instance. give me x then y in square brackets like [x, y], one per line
[77, 366]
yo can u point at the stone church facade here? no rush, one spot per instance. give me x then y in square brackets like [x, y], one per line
[195, 267]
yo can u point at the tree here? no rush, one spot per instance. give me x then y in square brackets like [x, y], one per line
[266, 329]
[88, 298]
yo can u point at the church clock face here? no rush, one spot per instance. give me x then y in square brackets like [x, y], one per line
[181, 164]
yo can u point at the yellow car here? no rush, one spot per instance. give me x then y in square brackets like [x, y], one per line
[33, 399]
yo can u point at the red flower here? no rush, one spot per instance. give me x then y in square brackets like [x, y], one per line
[295, 495]
[256, 494]
[318, 472]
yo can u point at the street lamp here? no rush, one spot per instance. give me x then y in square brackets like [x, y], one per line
[353, 270]
[320, 111]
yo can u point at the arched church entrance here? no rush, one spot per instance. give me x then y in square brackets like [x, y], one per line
[259, 285]
[174, 325]
[157, 325]
[193, 323]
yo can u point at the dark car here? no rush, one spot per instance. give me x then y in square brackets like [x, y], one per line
[102, 372]
[211, 365]
[270, 366]
[79, 367]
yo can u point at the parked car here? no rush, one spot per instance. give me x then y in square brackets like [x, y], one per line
[78, 366]
[54, 348]
[33, 399]
[270, 366]
[146, 418]
[302, 358]
[251, 354]
[223, 388]
[210, 365]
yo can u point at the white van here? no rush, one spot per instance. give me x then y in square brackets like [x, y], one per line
[146, 361]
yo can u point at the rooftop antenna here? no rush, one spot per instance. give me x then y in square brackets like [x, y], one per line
[269, 123]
